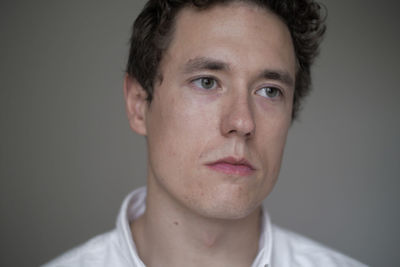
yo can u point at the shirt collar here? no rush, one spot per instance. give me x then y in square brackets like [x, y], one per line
[134, 206]
[263, 258]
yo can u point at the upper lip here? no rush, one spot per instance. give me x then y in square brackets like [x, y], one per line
[233, 161]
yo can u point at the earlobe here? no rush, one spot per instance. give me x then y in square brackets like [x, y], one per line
[136, 104]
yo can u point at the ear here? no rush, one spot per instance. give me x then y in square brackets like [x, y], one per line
[136, 104]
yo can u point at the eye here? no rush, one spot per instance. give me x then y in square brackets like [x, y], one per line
[207, 83]
[269, 92]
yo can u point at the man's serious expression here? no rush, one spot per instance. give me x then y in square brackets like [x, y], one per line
[217, 124]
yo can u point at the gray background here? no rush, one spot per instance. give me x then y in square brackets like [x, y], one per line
[68, 157]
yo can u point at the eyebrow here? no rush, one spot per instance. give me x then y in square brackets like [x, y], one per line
[205, 63]
[277, 75]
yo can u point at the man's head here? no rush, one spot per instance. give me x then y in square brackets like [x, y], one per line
[222, 104]
[154, 28]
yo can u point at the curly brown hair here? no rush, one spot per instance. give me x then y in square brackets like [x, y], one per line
[153, 31]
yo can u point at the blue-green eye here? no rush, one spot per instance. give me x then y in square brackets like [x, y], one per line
[269, 92]
[205, 83]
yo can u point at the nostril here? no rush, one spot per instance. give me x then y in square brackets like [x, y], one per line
[246, 134]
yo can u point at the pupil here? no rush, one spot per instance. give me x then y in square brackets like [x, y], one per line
[271, 91]
[207, 83]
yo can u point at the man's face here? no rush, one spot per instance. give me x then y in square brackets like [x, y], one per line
[218, 122]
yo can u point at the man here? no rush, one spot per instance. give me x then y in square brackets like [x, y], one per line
[214, 87]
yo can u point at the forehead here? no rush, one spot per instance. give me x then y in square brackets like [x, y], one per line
[237, 33]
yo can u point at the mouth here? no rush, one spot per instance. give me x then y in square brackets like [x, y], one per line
[232, 166]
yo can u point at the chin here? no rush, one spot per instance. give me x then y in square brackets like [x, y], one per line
[226, 208]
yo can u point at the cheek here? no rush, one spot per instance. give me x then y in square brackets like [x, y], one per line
[177, 130]
[271, 139]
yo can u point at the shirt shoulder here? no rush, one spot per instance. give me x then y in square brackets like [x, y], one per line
[292, 249]
[102, 250]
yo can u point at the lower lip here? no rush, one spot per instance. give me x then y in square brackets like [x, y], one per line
[231, 169]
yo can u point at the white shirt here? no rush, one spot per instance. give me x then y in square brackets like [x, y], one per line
[277, 247]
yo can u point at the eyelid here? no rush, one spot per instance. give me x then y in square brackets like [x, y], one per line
[203, 76]
[280, 88]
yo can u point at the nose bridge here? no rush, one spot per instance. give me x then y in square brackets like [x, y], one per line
[239, 117]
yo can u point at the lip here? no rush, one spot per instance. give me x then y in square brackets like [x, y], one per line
[232, 166]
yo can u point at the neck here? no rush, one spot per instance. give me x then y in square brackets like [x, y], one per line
[168, 234]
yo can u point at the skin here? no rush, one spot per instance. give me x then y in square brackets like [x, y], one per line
[213, 103]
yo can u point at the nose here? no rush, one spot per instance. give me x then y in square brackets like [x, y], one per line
[238, 118]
